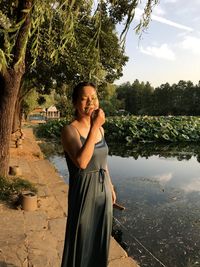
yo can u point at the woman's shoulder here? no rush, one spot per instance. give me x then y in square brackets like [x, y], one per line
[66, 128]
[69, 129]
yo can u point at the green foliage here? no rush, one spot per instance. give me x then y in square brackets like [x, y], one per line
[41, 100]
[10, 187]
[51, 129]
[64, 105]
[68, 31]
[131, 129]
[29, 102]
[182, 98]
[33, 99]
[40, 12]
[120, 9]
[136, 97]
[33, 30]
[108, 101]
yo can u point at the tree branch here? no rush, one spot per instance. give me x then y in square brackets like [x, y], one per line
[22, 38]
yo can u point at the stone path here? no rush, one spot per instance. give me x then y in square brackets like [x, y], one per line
[35, 239]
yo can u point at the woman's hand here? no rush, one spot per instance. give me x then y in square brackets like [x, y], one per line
[98, 117]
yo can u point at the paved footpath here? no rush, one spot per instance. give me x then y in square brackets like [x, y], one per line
[35, 239]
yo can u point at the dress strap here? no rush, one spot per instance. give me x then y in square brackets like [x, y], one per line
[76, 129]
[80, 133]
[101, 132]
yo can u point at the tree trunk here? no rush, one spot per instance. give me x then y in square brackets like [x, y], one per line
[10, 84]
[10, 80]
[17, 116]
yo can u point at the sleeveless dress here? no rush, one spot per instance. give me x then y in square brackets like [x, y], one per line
[90, 210]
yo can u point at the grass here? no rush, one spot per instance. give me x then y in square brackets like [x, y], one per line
[10, 187]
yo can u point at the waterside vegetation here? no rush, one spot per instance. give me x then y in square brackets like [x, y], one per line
[9, 188]
[131, 129]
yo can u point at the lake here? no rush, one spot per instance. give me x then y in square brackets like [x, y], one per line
[160, 187]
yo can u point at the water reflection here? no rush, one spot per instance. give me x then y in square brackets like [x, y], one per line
[182, 151]
[160, 187]
[161, 191]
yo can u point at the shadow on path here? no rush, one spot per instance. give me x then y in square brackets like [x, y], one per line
[7, 264]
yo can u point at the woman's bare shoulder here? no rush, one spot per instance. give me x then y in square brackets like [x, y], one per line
[70, 138]
[69, 130]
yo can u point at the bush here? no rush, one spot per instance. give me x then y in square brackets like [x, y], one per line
[130, 129]
[10, 187]
[153, 129]
[51, 129]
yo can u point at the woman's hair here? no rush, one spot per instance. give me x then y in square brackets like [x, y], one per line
[77, 89]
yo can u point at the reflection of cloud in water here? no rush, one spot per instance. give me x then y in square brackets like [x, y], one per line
[194, 185]
[164, 178]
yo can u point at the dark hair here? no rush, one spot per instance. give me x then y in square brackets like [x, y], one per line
[77, 89]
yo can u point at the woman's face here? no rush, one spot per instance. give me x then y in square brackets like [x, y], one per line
[87, 101]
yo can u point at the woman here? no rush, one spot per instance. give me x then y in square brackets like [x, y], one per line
[91, 193]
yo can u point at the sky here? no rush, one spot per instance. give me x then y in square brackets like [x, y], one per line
[169, 50]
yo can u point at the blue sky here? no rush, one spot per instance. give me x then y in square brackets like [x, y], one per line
[169, 49]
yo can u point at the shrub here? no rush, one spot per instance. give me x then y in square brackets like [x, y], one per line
[10, 187]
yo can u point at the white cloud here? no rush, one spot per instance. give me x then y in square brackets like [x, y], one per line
[192, 186]
[157, 10]
[191, 43]
[170, 1]
[139, 12]
[163, 52]
[171, 23]
[164, 178]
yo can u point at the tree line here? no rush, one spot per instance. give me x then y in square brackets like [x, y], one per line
[141, 98]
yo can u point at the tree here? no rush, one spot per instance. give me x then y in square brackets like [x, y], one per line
[20, 35]
[109, 101]
[162, 100]
[30, 102]
[147, 99]
[137, 97]
[69, 69]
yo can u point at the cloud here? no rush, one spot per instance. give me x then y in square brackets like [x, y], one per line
[170, 1]
[191, 43]
[139, 12]
[157, 10]
[192, 186]
[163, 52]
[164, 178]
[171, 23]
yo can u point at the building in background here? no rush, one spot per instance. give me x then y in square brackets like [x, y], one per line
[52, 113]
[44, 114]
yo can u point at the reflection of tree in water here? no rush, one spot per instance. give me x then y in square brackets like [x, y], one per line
[51, 148]
[182, 151]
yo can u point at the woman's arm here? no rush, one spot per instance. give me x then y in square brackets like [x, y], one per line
[81, 154]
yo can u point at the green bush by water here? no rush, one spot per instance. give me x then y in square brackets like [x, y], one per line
[129, 129]
[153, 129]
[51, 129]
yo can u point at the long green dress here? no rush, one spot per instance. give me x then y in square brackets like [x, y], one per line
[90, 210]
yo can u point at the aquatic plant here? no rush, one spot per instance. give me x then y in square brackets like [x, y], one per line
[131, 129]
